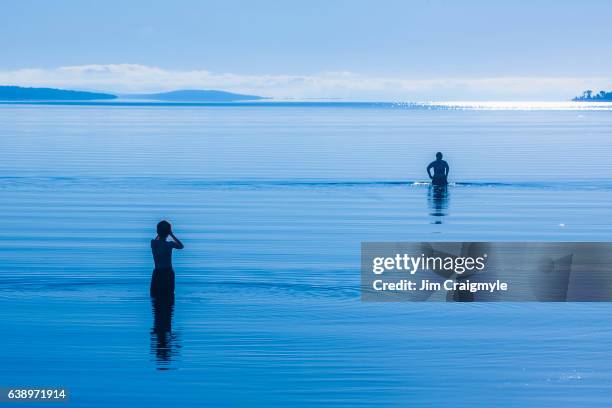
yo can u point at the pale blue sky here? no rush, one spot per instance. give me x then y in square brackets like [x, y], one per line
[566, 42]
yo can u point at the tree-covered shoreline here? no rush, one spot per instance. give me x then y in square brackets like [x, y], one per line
[591, 96]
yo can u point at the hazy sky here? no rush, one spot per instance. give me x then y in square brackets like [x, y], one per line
[410, 50]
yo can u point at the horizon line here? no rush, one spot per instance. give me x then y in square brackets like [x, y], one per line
[135, 78]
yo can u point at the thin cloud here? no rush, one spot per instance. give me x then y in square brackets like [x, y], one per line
[126, 78]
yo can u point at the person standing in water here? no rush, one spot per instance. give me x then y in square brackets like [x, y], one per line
[162, 281]
[440, 168]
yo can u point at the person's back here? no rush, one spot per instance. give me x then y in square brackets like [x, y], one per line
[440, 171]
[162, 253]
[162, 280]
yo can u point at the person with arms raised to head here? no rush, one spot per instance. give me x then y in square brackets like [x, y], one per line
[440, 171]
[162, 281]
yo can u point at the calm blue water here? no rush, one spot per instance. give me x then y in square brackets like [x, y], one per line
[272, 204]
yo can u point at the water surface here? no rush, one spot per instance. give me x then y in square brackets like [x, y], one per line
[272, 204]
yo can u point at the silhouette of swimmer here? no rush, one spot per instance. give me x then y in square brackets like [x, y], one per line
[162, 281]
[440, 168]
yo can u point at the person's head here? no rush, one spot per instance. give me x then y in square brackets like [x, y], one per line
[439, 156]
[163, 229]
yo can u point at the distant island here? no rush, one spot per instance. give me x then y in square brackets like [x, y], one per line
[590, 96]
[18, 93]
[189, 95]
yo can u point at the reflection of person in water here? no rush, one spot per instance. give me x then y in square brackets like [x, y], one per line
[162, 281]
[438, 198]
[164, 342]
[440, 168]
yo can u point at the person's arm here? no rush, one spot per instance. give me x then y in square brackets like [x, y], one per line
[446, 168]
[179, 244]
[429, 170]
